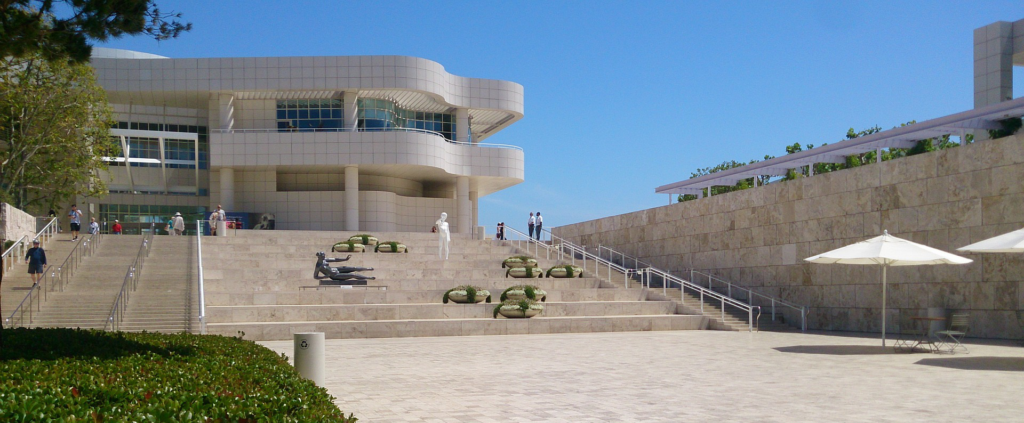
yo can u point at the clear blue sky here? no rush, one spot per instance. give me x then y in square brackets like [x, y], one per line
[624, 96]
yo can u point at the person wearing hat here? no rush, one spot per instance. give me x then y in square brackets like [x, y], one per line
[178, 224]
[36, 259]
[116, 229]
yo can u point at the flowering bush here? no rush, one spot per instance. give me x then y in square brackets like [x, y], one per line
[469, 291]
[521, 305]
[529, 292]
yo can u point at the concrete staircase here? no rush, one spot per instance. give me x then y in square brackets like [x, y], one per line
[86, 301]
[16, 281]
[253, 285]
[162, 300]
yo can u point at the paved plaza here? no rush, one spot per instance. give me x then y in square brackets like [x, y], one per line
[676, 376]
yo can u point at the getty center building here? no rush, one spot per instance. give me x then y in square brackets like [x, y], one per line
[355, 143]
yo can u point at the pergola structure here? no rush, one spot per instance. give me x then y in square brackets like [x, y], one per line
[983, 118]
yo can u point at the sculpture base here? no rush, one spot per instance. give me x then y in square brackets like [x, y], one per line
[351, 282]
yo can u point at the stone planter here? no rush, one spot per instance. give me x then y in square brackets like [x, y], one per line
[524, 272]
[512, 262]
[370, 240]
[386, 248]
[462, 298]
[344, 247]
[539, 295]
[519, 314]
[563, 272]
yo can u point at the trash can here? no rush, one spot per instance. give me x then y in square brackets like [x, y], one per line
[309, 356]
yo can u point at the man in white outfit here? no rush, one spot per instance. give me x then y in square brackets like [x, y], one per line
[178, 224]
[540, 224]
[443, 236]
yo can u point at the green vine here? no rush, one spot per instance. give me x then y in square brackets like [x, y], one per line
[470, 294]
[445, 299]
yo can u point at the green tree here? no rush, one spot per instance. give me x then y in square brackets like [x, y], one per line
[62, 29]
[54, 131]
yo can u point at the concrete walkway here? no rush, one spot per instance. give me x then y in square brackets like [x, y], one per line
[679, 376]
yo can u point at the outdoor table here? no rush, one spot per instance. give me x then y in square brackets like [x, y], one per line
[925, 338]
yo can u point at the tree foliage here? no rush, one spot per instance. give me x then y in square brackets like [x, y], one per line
[923, 146]
[54, 131]
[62, 29]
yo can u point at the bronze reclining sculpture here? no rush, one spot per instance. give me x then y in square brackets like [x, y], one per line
[323, 270]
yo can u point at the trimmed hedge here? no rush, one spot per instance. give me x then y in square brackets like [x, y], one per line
[76, 375]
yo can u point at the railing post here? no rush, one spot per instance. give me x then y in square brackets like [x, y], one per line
[723, 309]
[803, 318]
[773, 309]
[750, 318]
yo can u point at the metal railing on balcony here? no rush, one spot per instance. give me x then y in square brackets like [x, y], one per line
[131, 281]
[333, 130]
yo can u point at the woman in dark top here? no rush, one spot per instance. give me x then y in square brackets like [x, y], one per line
[36, 259]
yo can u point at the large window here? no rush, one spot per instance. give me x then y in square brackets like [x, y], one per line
[301, 115]
[180, 154]
[380, 115]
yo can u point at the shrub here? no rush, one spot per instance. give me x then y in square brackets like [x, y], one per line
[516, 305]
[532, 292]
[364, 238]
[570, 271]
[94, 376]
[350, 244]
[471, 293]
[8, 244]
[393, 244]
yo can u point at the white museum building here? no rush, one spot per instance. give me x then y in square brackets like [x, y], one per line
[355, 143]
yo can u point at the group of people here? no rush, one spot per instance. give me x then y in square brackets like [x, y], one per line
[536, 225]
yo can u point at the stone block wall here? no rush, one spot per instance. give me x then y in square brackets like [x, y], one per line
[759, 237]
[15, 223]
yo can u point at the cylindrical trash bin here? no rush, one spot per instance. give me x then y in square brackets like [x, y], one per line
[936, 325]
[222, 228]
[309, 356]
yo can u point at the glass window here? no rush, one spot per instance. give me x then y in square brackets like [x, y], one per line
[309, 114]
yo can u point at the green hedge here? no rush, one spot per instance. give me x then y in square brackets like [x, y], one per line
[90, 376]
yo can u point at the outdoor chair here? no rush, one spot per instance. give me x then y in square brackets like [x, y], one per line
[910, 333]
[952, 337]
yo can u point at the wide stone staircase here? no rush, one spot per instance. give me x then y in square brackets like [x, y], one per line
[260, 284]
[163, 300]
[87, 298]
[16, 281]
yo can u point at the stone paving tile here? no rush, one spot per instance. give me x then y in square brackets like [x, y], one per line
[678, 376]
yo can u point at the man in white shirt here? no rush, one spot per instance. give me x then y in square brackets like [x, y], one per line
[531, 223]
[178, 224]
[540, 224]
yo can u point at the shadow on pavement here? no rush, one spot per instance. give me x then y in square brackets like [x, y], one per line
[1006, 364]
[837, 349]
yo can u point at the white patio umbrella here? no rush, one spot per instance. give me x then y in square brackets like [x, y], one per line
[1011, 242]
[887, 251]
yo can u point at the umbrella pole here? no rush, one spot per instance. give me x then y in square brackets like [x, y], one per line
[884, 267]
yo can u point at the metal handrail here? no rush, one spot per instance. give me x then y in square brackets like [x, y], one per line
[7, 260]
[683, 284]
[46, 234]
[751, 293]
[563, 247]
[325, 130]
[54, 279]
[131, 281]
[639, 265]
[202, 288]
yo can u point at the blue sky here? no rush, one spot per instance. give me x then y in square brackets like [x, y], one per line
[622, 97]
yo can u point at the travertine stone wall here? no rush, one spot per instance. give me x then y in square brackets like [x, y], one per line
[759, 237]
[15, 223]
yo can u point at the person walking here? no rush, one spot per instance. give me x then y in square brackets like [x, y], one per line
[94, 228]
[35, 257]
[214, 218]
[178, 224]
[500, 233]
[75, 217]
[116, 229]
[540, 224]
[531, 223]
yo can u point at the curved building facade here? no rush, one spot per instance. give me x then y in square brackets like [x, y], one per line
[369, 143]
